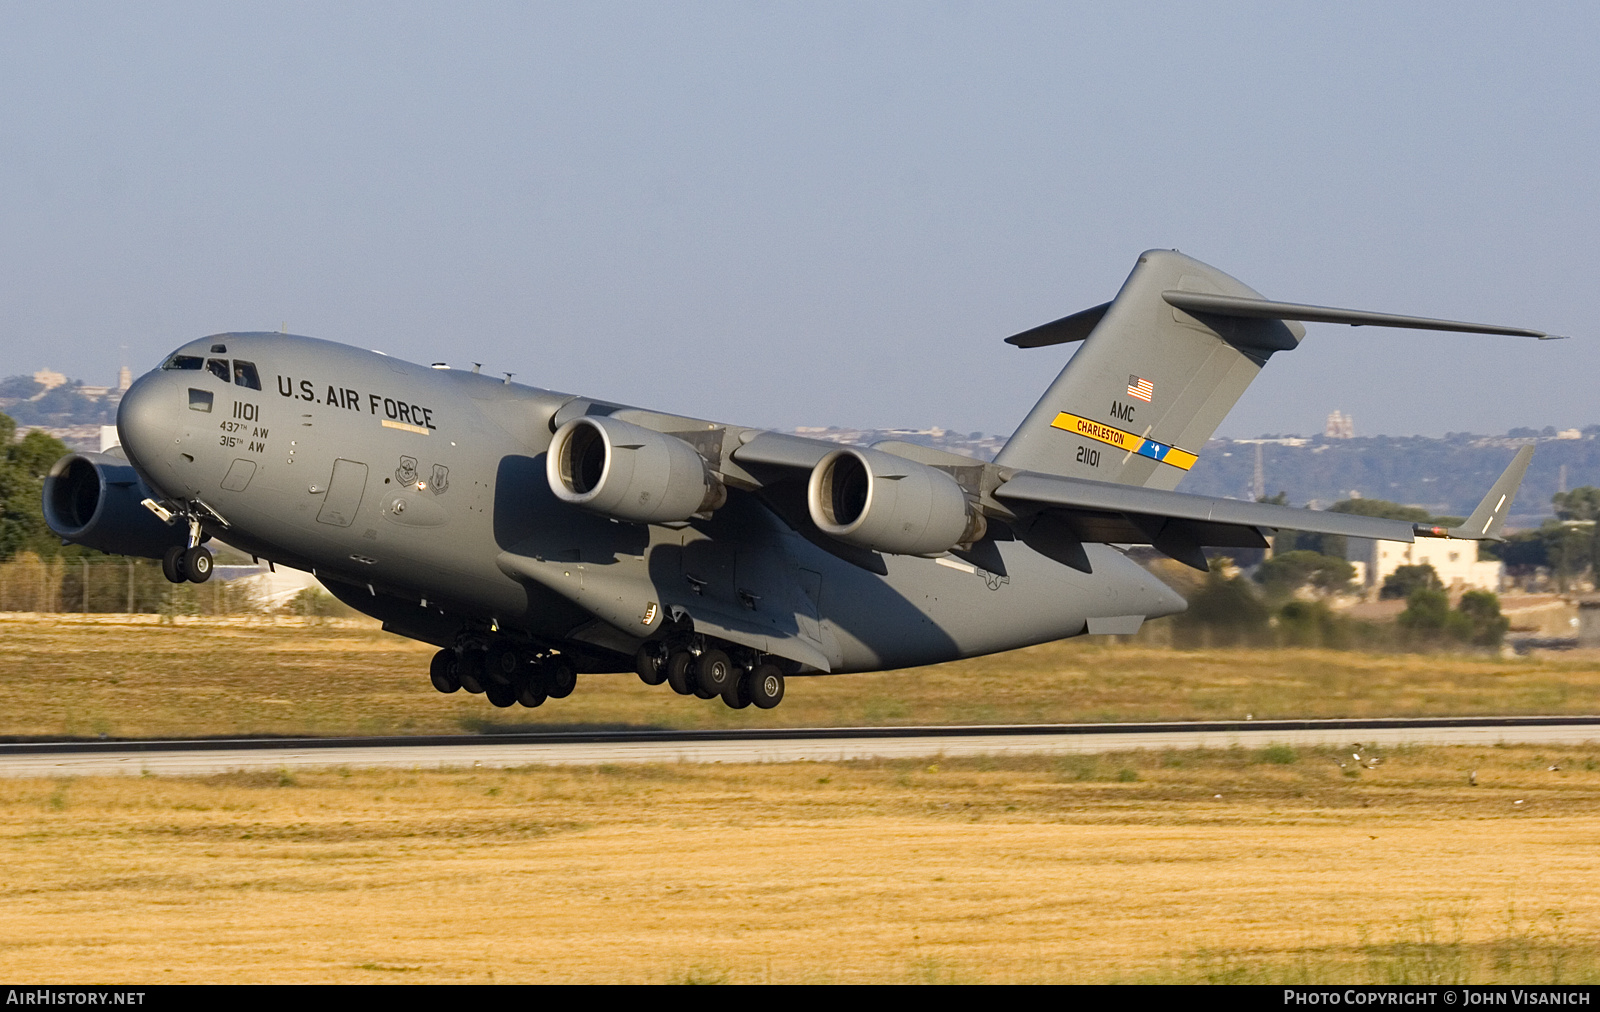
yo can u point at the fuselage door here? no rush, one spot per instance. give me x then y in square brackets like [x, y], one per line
[345, 489]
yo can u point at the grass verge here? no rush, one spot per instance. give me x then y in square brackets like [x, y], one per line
[1256, 866]
[71, 676]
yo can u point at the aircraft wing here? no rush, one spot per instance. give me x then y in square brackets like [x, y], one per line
[1179, 525]
[779, 449]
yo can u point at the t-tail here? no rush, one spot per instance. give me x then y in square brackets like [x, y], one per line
[1161, 365]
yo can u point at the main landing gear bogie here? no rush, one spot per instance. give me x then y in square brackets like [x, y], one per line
[504, 672]
[508, 673]
[704, 669]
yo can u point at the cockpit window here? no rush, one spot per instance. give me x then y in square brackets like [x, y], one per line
[245, 375]
[183, 362]
[218, 367]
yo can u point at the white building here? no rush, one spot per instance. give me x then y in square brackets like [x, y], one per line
[1455, 561]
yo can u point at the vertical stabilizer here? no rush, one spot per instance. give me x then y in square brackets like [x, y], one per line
[1151, 383]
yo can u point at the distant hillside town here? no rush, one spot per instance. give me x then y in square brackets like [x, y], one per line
[68, 409]
[1443, 475]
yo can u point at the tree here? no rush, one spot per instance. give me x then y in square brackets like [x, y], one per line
[1228, 606]
[1579, 508]
[1482, 609]
[1581, 503]
[1428, 616]
[1405, 581]
[23, 466]
[1285, 574]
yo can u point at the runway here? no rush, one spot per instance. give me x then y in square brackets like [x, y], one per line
[588, 747]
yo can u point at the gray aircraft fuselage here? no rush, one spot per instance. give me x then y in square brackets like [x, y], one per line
[419, 496]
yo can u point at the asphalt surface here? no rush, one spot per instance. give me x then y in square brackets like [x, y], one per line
[580, 747]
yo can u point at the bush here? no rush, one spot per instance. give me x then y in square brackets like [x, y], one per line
[1311, 624]
[1407, 580]
[1476, 619]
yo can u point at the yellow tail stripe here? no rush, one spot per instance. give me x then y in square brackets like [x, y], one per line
[1122, 440]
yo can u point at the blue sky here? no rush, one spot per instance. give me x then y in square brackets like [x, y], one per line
[809, 214]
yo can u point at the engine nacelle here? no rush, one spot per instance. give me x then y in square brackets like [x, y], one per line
[626, 471]
[94, 499]
[876, 500]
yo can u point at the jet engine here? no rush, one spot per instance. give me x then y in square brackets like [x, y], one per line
[876, 500]
[94, 499]
[625, 471]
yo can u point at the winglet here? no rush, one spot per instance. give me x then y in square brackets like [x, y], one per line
[1490, 516]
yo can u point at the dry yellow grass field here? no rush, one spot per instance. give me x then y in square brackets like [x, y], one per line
[1263, 866]
[133, 676]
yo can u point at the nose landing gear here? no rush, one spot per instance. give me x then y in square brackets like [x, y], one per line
[188, 564]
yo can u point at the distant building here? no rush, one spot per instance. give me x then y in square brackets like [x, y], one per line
[1339, 426]
[49, 378]
[1455, 561]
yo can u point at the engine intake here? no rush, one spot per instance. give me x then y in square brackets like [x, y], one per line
[626, 471]
[94, 499]
[876, 500]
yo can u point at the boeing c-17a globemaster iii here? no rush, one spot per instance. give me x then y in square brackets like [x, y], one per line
[533, 535]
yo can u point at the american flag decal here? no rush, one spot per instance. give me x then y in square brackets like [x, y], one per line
[1141, 388]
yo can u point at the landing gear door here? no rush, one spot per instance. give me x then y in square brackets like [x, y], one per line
[345, 489]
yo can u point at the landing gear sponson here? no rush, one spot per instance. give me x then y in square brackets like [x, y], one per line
[508, 673]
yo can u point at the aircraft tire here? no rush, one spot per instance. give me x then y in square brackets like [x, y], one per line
[197, 564]
[501, 695]
[648, 663]
[505, 664]
[172, 565]
[737, 694]
[713, 674]
[470, 670]
[680, 672]
[532, 689]
[442, 671]
[560, 677]
[765, 686]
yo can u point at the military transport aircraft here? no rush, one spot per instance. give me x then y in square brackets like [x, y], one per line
[533, 535]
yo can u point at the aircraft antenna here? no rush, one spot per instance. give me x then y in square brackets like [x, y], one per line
[477, 367]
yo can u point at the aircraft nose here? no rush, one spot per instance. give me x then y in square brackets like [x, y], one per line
[146, 420]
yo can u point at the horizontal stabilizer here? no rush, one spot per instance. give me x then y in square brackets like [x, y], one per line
[1262, 309]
